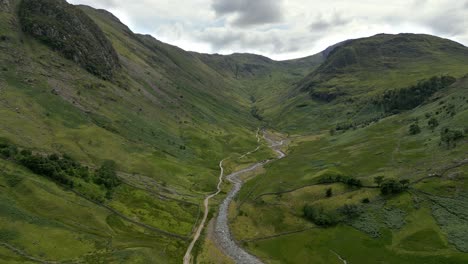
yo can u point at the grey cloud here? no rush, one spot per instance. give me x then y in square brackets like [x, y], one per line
[451, 25]
[322, 25]
[273, 42]
[250, 12]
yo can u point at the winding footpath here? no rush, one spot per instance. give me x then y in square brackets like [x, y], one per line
[206, 202]
[222, 233]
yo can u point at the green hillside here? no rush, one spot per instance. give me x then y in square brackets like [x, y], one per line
[165, 118]
[421, 220]
[110, 140]
[342, 89]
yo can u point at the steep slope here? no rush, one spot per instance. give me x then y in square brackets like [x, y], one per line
[384, 58]
[376, 166]
[384, 192]
[267, 82]
[68, 30]
[165, 120]
[343, 87]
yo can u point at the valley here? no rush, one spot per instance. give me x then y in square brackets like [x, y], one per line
[118, 148]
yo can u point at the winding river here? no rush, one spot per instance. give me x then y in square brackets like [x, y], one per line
[222, 232]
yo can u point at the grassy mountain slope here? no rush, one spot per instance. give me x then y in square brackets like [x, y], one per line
[342, 89]
[425, 224]
[267, 82]
[166, 119]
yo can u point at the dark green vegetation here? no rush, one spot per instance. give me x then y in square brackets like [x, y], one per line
[66, 171]
[394, 101]
[323, 218]
[376, 167]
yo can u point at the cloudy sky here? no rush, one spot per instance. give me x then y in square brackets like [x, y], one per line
[284, 29]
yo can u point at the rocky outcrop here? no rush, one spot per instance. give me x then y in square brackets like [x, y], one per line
[5, 5]
[68, 30]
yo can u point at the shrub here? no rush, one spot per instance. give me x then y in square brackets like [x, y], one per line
[350, 211]
[433, 123]
[378, 180]
[256, 113]
[414, 129]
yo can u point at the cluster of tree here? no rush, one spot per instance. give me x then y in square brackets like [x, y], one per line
[391, 186]
[449, 137]
[432, 124]
[62, 169]
[320, 217]
[394, 101]
[350, 125]
[350, 181]
[54, 167]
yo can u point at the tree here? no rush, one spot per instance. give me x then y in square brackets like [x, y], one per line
[392, 186]
[106, 175]
[433, 123]
[319, 217]
[414, 129]
[450, 136]
[405, 182]
[378, 180]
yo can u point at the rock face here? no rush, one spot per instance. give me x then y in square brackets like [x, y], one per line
[5, 5]
[67, 29]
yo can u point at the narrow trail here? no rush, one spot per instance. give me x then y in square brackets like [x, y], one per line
[222, 233]
[340, 257]
[206, 202]
[25, 255]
